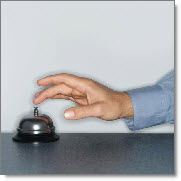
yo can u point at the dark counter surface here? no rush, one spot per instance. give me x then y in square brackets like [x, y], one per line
[94, 153]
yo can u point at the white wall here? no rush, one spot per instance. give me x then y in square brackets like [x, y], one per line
[121, 44]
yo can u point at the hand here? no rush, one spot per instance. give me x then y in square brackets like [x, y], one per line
[94, 99]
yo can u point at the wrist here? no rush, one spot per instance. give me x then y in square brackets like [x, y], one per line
[126, 106]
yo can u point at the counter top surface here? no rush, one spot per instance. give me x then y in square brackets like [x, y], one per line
[90, 153]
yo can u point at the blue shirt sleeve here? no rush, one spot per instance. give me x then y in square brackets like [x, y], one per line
[153, 105]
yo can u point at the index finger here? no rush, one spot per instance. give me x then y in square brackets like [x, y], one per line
[68, 79]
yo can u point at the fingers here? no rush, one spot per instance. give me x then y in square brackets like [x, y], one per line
[80, 112]
[59, 96]
[70, 80]
[51, 92]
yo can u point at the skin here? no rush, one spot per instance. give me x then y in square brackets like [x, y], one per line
[93, 99]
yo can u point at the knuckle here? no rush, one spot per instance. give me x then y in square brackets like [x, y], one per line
[89, 83]
[63, 74]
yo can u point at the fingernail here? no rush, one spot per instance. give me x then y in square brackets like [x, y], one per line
[69, 114]
[38, 81]
[35, 101]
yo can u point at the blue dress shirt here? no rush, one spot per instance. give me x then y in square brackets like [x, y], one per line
[153, 105]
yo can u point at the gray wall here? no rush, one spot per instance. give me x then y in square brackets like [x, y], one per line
[121, 44]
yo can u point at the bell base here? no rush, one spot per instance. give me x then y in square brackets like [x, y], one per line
[32, 138]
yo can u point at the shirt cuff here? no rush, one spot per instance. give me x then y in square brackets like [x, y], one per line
[150, 106]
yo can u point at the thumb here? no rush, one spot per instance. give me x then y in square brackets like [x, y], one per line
[80, 112]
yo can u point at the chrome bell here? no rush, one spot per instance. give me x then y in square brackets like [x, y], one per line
[39, 128]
